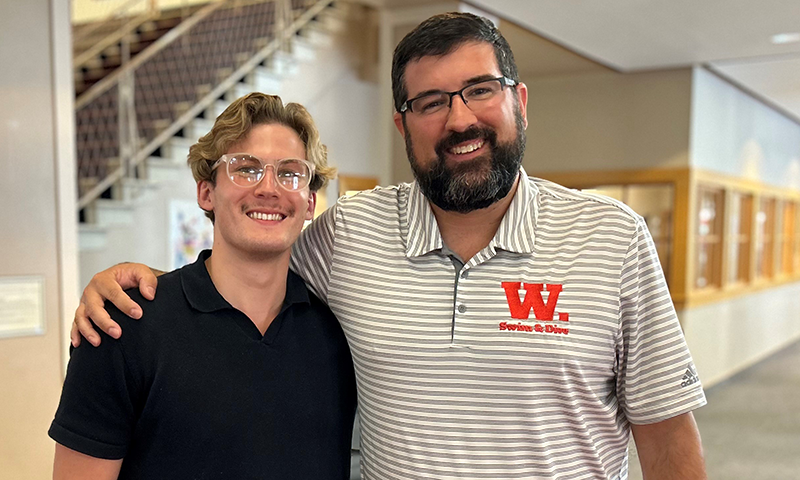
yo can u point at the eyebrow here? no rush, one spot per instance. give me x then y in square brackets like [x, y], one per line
[469, 81]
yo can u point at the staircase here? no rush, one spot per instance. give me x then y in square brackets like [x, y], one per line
[98, 46]
[132, 215]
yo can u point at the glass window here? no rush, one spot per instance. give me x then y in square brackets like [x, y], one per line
[765, 238]
[740, 218]
[654, 202]
[708, 259]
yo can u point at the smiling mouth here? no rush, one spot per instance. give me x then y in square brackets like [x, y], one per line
[466, 148]
[273, 217]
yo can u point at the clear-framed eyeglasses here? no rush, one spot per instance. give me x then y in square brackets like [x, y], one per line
[246, 170]
[476, 96]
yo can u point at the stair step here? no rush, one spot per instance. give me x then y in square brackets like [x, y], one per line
[282, 64]
[177, 148]
[333, 19]
[265, 80]
[91, 238]
[316, 35]
[239, 90]
[164, 170]
[134, 188]
[113, 212]
[303, 49]
[197, 128]
[216, 108]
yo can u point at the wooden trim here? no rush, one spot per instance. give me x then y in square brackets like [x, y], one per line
[686, 183]
[350, 183]
[679, 178]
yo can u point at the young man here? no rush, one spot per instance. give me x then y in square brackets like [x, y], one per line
[236, 370]
[501, 326]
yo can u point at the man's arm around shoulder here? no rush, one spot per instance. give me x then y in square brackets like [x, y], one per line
[72, 465]
[670, 449]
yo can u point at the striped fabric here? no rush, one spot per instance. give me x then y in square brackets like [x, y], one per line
[451, 385]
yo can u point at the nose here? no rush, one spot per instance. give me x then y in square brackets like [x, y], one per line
[268, 186]
[460, 117]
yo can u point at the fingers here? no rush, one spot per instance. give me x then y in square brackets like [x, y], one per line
[147, 284]
[108, 285]
[130, 275]
[84, 327]
[94, 308]
[75, 334]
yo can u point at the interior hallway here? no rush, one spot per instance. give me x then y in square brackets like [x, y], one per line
[751, 425]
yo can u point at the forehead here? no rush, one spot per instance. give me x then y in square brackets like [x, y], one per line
[271, 142]
[453, 70]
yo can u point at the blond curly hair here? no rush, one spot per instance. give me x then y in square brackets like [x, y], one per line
[236, 122]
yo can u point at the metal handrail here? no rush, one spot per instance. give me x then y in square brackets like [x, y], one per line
[111, 80]
[207, 100]
[111, 39]
[119, 12]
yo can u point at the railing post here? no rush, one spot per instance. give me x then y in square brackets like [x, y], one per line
[128, 143]
[284, 19]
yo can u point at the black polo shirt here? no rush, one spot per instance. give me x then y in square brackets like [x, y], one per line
[193, 391]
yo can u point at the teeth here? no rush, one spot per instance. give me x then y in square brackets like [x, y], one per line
[265, 216]
[467, 148]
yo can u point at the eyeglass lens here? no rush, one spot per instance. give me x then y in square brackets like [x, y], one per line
[474, 95]
[246, 170]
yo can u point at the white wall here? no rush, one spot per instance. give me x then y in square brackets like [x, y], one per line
[38, 231]
[727, 337]
[736, 134]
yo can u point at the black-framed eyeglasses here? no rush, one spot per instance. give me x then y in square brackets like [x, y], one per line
[475, 96]
[246, 170]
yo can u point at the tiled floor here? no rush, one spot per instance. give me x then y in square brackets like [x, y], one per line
[751, 425]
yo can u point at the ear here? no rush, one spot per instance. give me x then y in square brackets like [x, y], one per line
[522, 92]
[398, 122]
[205, 195]
[312, 203]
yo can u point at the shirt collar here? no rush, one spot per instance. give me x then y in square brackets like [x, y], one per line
[203, 296]
[515, 234]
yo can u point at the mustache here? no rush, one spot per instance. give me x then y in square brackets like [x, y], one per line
[472, 133]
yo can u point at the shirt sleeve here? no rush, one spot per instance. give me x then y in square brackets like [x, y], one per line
[96, 413]
[312, 253]
[656, 378]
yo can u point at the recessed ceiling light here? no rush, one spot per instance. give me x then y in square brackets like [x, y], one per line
[786, 38]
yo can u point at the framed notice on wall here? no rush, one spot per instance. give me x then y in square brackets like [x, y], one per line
[21, 306]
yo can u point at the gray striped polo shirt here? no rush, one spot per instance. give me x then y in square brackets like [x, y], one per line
[530, 364]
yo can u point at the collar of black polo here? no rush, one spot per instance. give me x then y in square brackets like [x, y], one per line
[204, 297]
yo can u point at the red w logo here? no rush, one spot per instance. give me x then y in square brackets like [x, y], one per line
[533, 300]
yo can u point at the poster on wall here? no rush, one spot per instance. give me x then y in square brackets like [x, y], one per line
[190, 232]
[21, 306]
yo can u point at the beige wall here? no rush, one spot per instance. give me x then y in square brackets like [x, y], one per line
[608, 121]
[33, 236]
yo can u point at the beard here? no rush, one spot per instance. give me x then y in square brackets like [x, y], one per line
[474, 184]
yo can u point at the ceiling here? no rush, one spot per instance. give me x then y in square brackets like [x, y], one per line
[731, 37]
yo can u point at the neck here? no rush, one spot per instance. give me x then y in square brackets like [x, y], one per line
[468, 233]
[254, 285]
